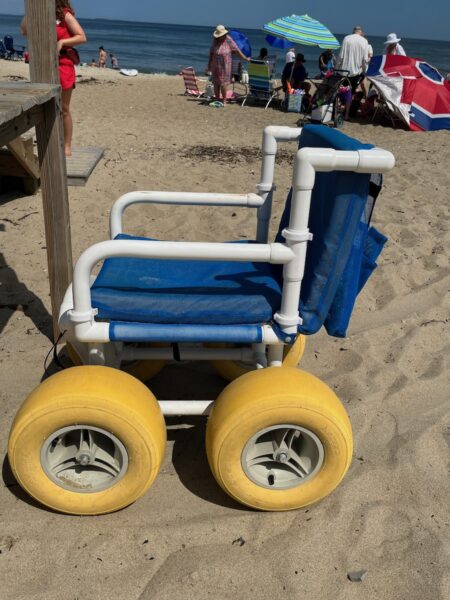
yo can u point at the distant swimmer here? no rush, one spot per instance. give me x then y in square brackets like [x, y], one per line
[114, 61]
[102, 56]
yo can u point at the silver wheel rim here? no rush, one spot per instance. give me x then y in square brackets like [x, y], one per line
[84, 459]
[282, 456]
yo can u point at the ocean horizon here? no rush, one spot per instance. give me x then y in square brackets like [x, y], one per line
[166, 48]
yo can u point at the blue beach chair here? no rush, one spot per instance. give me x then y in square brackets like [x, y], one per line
[11, 50]
[3, 52]
[261, 86]
[91, 439]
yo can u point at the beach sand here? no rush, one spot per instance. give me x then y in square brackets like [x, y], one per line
[390, 516]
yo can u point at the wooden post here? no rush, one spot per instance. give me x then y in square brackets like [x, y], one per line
[41, 29]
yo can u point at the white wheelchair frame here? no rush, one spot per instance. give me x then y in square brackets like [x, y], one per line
[91, 338]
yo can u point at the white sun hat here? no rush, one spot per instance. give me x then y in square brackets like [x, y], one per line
[391, 39]
[220, 31]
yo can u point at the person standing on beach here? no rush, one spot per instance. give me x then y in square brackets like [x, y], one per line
[102, 56]
[393, 46]
[69, 33]
[290, 55]
[353, 58]
[219, 63]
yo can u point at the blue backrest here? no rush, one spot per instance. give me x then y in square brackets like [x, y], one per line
[259, 76]
[9, 42]
[338, 222]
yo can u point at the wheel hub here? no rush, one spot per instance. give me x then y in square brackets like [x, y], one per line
[84, 459]
[282, 456]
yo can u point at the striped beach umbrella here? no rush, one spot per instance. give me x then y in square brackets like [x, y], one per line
[302, 30]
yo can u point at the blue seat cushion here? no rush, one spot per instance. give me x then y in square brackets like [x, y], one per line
[186, 292]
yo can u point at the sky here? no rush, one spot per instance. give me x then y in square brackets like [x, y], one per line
[413, 18]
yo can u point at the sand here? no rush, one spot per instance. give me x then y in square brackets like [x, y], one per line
[389, 516]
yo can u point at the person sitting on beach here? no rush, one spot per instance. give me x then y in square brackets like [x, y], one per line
[327, 61]
[295, 73]
[219, 63]
[102, 56]
[263, 54]
[93, 63]
[114, 61]
[393, 46]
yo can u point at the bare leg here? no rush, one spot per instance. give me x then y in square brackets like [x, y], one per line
[67, 121]
[217, 90]
[223, 90]
[347, 110]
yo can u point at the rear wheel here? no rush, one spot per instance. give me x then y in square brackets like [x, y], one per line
[144, 370]
[278, 439]
[88, 440]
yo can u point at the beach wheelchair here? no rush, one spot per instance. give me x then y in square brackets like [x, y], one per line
[90, 439]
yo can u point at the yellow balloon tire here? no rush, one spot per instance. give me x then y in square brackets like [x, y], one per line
[94, 396]
[144, 370]
[268, 397]
[231, 369]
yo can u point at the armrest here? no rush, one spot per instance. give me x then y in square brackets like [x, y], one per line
[275, 253]
[178, 198]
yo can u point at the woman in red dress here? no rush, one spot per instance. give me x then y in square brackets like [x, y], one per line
[69, 33]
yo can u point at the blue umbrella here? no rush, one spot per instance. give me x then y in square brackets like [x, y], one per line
[277, 42]
[302, 30]
[242, 41]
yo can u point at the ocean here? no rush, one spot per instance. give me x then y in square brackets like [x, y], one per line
[159, 48]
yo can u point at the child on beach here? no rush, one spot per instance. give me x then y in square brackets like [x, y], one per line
[114, 61]
[69, 33]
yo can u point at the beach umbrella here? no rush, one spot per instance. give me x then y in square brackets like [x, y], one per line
[302, 30]
[279, 43]
[242, 41]
[413, 90]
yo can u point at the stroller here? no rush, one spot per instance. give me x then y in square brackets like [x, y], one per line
[326, 104]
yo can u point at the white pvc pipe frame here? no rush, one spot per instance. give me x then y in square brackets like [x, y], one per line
[292, 254]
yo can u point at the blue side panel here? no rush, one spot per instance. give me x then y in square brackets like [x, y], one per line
[150, 332]
[338, 223]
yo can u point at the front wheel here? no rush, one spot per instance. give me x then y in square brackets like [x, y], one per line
[278, 439]
[88, 440]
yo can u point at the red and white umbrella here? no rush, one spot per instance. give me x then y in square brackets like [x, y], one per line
[414, 90]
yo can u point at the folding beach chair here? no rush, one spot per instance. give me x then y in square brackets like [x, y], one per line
[261, 87]
[11, 50]
[191, 83]
[272, 61]
[91, 439]
[4, 52]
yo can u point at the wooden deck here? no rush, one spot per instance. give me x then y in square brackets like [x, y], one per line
[81, 164]
[22, 107]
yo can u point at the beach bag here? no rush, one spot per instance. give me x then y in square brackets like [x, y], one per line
[71, 54]
[295, 101]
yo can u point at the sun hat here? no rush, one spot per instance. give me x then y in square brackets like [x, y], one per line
[220, 31]
[300, 57]
[391, 39]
